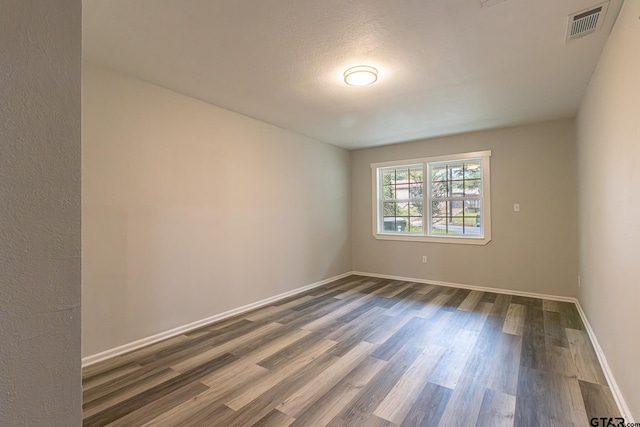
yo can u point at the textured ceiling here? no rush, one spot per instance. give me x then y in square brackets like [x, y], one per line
[445, 66]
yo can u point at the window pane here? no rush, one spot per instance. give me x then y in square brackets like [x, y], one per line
[472, 225]
[472, 170]
[388, 177]
[439, 225]
[402, 176]
[472, 218]
[456, 221]
[439, 173]
[439, 189]
[457, 189]
[389, 224]
[402, 224]
[402, 191]
[472, 231]
[415, 175]
[415, 191]
[438, 209]
[415, 209]
[402, 183]
[396, 224]
[472, 187]
[402, 209]
[388, 192]
[456, 207]
[472, 207]
[452, 219]
[389, 209]
[415, 225]
[454, 171]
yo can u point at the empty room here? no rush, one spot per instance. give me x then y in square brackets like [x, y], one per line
[296, 213]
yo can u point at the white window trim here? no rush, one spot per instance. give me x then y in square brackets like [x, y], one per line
[486, 200]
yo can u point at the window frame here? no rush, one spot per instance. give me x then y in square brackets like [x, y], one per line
[427, 163]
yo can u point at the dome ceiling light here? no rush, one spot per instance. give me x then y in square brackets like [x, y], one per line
[361, 75]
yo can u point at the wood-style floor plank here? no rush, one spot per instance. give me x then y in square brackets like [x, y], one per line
[554, 328]
[275, 418]
[585, 358]
[506, 364]
[397, 404]
[132, 390]
[428, 407]
[269, 400]
[207, 355]
[363, 351]
[295, 364]
[471, 301]
[514, 323]
[305, 397]
[448, 371]
[598, 401]
[333, 402]
[111, 375]
[136, 402]
[160, 406]
[560, 360]
[497, 409]
[363, 405]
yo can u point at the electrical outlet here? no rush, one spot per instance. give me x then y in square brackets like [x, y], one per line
[424, 259]
[516, 207]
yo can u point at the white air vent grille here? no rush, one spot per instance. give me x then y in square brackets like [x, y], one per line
[586, 22]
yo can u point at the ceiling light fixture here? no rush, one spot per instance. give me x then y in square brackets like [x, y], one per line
[362, 75]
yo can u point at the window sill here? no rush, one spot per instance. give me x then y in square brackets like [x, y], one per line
[432, 239]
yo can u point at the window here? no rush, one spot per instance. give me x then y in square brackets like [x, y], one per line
[438, 199]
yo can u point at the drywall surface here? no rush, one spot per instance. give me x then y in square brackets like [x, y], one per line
[190, 210]
[534, 250]
[40, 50]
[608, 130]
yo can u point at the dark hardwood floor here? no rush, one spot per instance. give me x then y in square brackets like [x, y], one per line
[364, 351]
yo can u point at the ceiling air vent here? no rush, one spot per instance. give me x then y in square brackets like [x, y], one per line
[586, 21]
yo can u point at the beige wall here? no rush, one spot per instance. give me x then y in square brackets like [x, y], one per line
[533, 250]
[609, 202]
[40, 50]
[190, 210]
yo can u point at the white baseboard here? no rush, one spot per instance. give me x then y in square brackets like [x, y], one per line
[99, 357]
[613, 385]
[472, 287]
[615, 390]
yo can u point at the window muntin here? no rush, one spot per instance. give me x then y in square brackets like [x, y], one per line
[433, 199]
